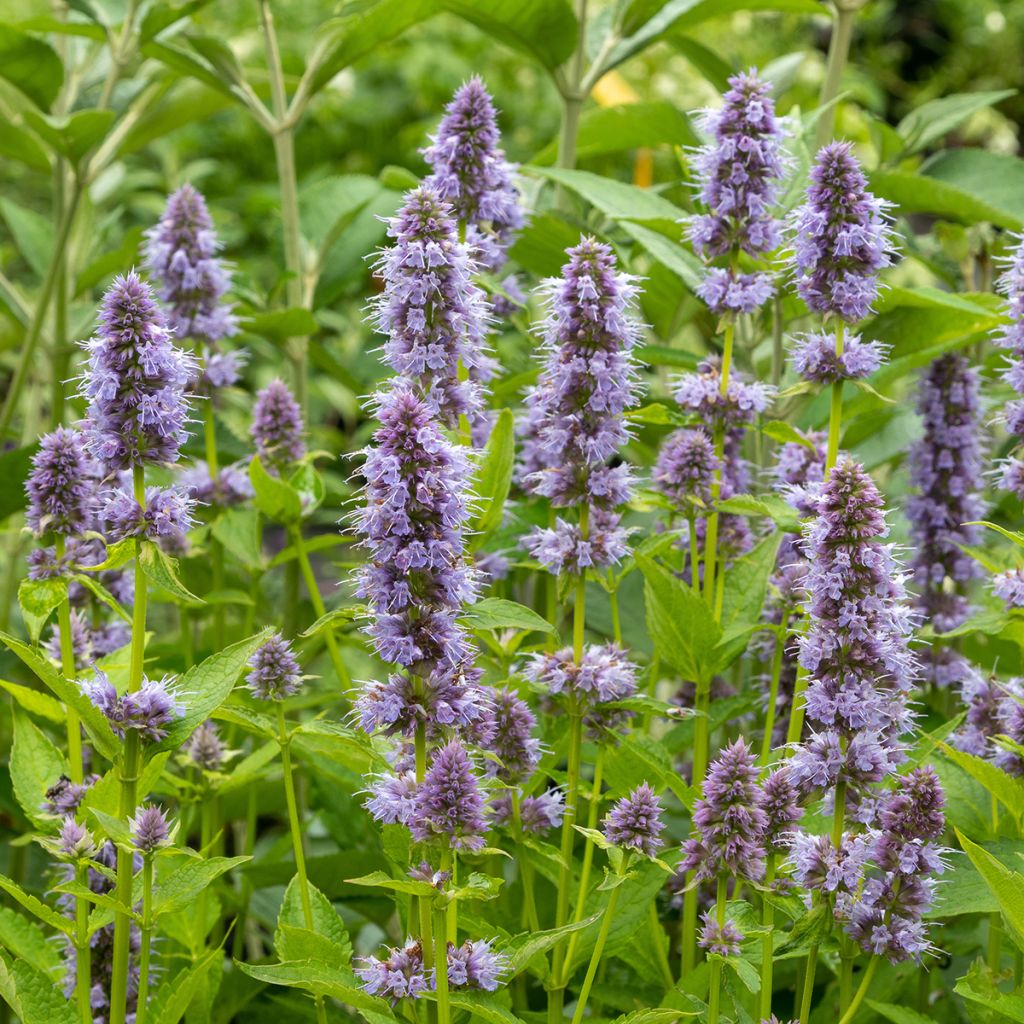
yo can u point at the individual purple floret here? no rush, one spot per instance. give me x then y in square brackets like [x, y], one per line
[449, 804]
[729, 820]
[148, 710]
[168, 514]
[417, 576]
[475, 965]
[885, 914]
[149, 829]
[684, 471]
[204, 747]
[135, 381]
[841, 237]
[277, 427]
[274, 671]
[60, 486]
[723, 939]
[470, 172]
[399, 976]
[1009, 587]
[814, 357]
[855, 650]
[538, 815]
[434, 315]
[74, 841]
[945, 470]
[181, 254]
[700, 393]
[634, 822]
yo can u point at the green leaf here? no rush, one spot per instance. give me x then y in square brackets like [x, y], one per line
[981, 986]
[995, 178]
[219, 56]
[281, 324]
[771, 506]
[545, 30]
[238, 529]
[680, 623]
[115, 829]
[615, 199]
[164, 15]
[33, 234]
[163, 571]
[380, 880]
[39, 599]
[493, 477]
[27, 941]
[670, 254]
[14, 469]
[494, 613]
[31, 66]
[204, 687]
[784, 433]
[35, 907]
[523, 948]
[335, 617]
[180, 888]
[1007, 789]
[75, 135]
[117, 556]
[328, 928]
[18, 144]
[654, 1015]
[274, 498]
[932, 120]
[1007, 886]
[35, 701]
[898, 1014]
[320, 978]
[746, 582]
[35, 765]
[40, 1000]
[92, 718]
[484, 1005]
[173, 998]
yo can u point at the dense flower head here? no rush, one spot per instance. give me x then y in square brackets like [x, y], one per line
[1009, 587]
[516, 748]
[729, 820]
[724, 290]
[400, 975]
[587, 381]
[89, 643]
[723, 939]
[604, 673]
[413, 524]
[221, 370]
[700, 393]
[60, 486]
[981, 697]
[64, 797]
[799, 471]
[277, 427]
[167, 514]
[855, 649]
[814, 357]
[149, 710]
[841, 237]
[684, 470]
[538, 814]
[434, 315]
[819, 867]
[274, 671]
[74, 840]
[449, 804]
[135, 381]
[945, 470]
[181, 254]
[149, 829]
[634, 822]
[475, 965]
[470, 172]
[205, 748]
[231, 486]
[565, 548]
[392, 798]
[782, 810]
[739, 171]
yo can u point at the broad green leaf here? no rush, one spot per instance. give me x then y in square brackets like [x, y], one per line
[164, 15]
[1007, 789]
[746, 582]
[172, 999]
[33, 235]
[784, 433]
[380, 880]
[98, 727]
[521, 949]
[654, 1015]
[493, 476]
[219, 56]
[1007, 886]
[35, 765]
[41, 1001]
[328, 206]
[486, 1006]
[31, 65]
[18, 144]
[670, 254]
[771, 506]
[274, 498]
[114, 828]
[238, 529]
[27, 941]
[544, 30]
[981, 987]
[328, 928]
[335, 617]
[320, 978]
[181, 887]
[280, 324]
[614, 199]
[497, 613]
[36, 701]
[680, 623]
[346, 747]
[116, 556]
[898, 1014]
[204, 687]
[39, 599]
[932, 120]
[162, 570]
[995, 178]
[36, 907]
[189, 66]
[74, 135]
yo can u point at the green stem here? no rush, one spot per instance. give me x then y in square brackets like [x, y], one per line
[595, 958]
[767, 946]
[67, 665]
[588, 855]
[340, 669]
[531, 917]
[694, 554]
[658, 938]
[146, 939]
[838, 54]
[572, 96]
[773, 690]
[613, 600]
[59, 354]
[796, 710]
[216, 548]
[808, 984]
[711, 538]
[130, 767]
[28, 350]
[835, 415]
[862, 990]
[715, 985]
[579, 609]
[83, 953]
[441, 966]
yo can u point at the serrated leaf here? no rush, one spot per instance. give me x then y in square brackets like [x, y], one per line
[1007, 789]
[41, 1001]
[784, 433]
[180, 888]
[1007, 886]
[172, 999]
[380, 880]
[35, 701]
[898, 1014]
[38, 600]
[116, 556]
[27, 941]
[36, 907]
[746, 583]
[238, 529]
[35, 765]
[494, 613]
[162, 570]
[319, 978]
[328, 928]
[521, 949]
[493, 477]
[274, 497]
[335, 617]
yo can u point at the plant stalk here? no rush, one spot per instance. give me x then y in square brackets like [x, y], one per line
[595, 958]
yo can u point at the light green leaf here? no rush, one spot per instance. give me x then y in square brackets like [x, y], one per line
[173, 998]
[615, 199]
[380, 880]
[494, 613]
[27, 941]
[39, 599]
[41, 1001]
[36, 701]
[274, 498]
[784, 433]
[18, 144]
[36, 907]
[1007, 789]
[35, 765]
[238, 529]
[281, 324]
[493, 476]
[995, 178]
[320, 978]
[30, 65]
[75, 135]
[1007, 886]
[328, 928]
[898, 1014]
[33, 235]
[180, 888]
[669, 253]
[521, 949]
[162, 570]
[746, 582]
[932, 120]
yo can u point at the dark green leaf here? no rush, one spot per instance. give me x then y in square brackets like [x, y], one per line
[35, 765]
[30, 65]
[493, 477]
[274, 497]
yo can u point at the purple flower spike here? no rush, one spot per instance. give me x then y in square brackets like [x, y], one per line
[781, 806]
[700, 393]
[204, 747]
[728, 291]
[135, 381]
[148, 710]
[149, 829]
[729, 820]
[60, 486]
[64, 797]
[274, 670]
[74, 840]
[475, 965]
[564, 549]
[514, 744]
[814, 358]
[945, 468]
[1009, 587]
[449, 805]
[168, 514]
[538, 815]
[392, 798]
[470, 172]
[277, 427]
[399, 976]
[634, 823]
[841, 238]
[684, 471]
[723, 939]
[181, 253]
[434, 315]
